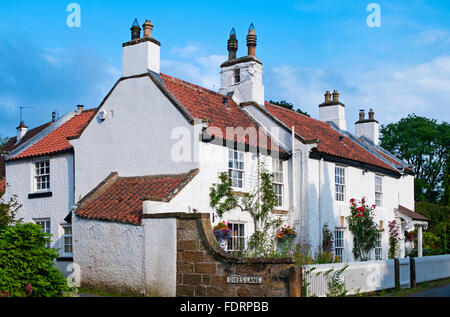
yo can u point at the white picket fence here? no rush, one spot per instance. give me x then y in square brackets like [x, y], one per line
[363, 277]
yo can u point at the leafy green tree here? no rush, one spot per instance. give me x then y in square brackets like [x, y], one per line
[3, 141]
[446, 195]
[438, 228]
[424, 144]
[26, 264]
[288, 105]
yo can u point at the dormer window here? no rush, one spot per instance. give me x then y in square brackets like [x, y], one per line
[237, 75]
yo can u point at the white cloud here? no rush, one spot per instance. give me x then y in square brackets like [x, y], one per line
[185, 52]
[392, 92]
[432, 37]
[194, 65]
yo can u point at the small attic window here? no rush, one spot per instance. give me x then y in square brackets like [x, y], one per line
[237, 75]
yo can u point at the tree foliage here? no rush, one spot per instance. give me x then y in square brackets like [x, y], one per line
[26, 264]
[424, 144]
[3, 141]
[258, 203]
[437, 237]
[288, 105]
[8, 211]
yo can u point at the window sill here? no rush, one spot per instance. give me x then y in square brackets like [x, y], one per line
[40, 195]
[280, 211]
[65, 258]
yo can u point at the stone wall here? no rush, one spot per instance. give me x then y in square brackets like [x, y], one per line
[203, 266]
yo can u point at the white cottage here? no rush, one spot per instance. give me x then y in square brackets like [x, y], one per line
[157, 143]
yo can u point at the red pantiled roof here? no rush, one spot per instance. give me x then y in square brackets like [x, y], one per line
[329, 139]
[203, 103]
[56, 141]
[411, 214]
[119, 199]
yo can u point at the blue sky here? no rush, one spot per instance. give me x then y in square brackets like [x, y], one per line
[307, 47]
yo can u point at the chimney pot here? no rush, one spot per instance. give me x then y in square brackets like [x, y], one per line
[148, 29]
[251, 40]
[327, 96]
[371, 115]
[232, 45]
[80, 108]
[135, 30]
[362, 114]
[335, 96]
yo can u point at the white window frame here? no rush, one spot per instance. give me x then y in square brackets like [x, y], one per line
[339, 182]
[378, 248]
[45, 223]
[378, 191]
[339, 243]
[40, 172]
[68, 236]
[236, 166]
[278, 181]
[237, 241]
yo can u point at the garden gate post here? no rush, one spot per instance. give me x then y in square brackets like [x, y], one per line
[397, 273]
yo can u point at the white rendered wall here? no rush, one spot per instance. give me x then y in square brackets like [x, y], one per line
[250, 87]
[358, 185]
[109, 254]
[20, 175]
[160, 249]
[334, 113]
[194, 197]
[135, 138]
[406, 191]
[140, 58]
[282, 136]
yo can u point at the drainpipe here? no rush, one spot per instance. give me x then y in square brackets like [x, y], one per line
[320, 199]
[294, 174]
[419, 241]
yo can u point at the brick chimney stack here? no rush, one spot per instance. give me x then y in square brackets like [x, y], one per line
[332, 110]
[367, 128]
[21, 131]
[241, 77]
[141, 54]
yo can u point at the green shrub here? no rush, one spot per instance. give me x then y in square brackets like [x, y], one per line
[26, 264]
